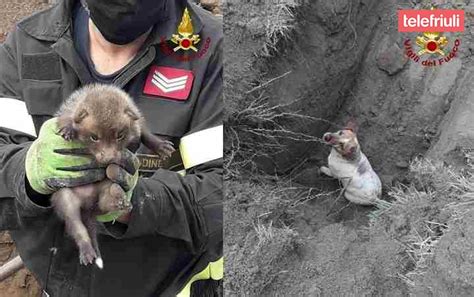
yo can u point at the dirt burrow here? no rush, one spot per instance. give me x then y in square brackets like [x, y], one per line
[323, 55]
[352, 66]
[399, 106]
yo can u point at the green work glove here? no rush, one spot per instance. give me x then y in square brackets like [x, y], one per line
[53, 163]
[125, 173]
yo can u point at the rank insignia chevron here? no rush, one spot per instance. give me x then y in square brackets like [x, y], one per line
[169, 82]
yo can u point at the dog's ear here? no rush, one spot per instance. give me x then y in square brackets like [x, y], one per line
[351, 125]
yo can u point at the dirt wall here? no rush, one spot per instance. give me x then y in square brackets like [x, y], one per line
[346, 60]
[399, 104]
[323, 55]
[457, 129]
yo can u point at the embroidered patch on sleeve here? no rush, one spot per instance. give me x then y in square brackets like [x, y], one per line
[169, 82]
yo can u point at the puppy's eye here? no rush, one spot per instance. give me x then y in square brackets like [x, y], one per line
[340, 133]
[121, 136]
[94, 138]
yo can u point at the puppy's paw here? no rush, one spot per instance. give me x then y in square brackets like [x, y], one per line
[113, 199]
[87, 253]
[68, 132]
[166, 148]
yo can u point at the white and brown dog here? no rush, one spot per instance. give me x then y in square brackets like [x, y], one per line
[347, 163]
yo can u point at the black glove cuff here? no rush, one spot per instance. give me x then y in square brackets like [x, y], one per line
[37, 198]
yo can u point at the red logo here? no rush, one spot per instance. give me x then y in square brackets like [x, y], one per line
[435, 20]
[169, 82]
[437, 43]
[172, 51]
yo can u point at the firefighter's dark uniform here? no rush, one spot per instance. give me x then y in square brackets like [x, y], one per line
[175, 230]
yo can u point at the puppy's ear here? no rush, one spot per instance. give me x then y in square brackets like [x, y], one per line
[132, 114]
[351, 125]
[80, 115]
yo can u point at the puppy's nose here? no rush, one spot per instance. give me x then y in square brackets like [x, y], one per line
[327, 137]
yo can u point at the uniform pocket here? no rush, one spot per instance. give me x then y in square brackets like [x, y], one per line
[42, 97]
[41, 67]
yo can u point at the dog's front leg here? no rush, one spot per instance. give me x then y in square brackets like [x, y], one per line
[326, 171]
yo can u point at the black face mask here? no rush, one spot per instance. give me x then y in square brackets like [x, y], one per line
[123, 21]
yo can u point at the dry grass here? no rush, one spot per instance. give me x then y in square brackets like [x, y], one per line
[261, 130]
[255, 128]
[421, 213]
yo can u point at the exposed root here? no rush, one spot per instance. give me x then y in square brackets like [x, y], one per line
[268, 82]
[261, 130]
[354, 31]
[279, 24]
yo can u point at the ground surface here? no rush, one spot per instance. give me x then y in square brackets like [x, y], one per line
[343, 59]
[22, 284]
[13, 11]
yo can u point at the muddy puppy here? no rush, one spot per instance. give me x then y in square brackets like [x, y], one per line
[105, 119]
[347, 163]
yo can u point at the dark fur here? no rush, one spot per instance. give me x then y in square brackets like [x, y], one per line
[105, 119]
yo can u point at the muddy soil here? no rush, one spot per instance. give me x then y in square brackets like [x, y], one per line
[13, 11]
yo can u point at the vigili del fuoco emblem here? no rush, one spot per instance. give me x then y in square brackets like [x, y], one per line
[185, 39]
[431, 43]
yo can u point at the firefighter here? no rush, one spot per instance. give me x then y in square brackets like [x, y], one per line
[168, 56]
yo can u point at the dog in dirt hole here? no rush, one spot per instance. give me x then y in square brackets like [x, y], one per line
[350, 166]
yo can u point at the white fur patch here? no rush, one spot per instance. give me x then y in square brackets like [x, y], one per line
[99, 262]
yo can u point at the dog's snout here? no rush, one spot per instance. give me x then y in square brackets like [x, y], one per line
[327, 137]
